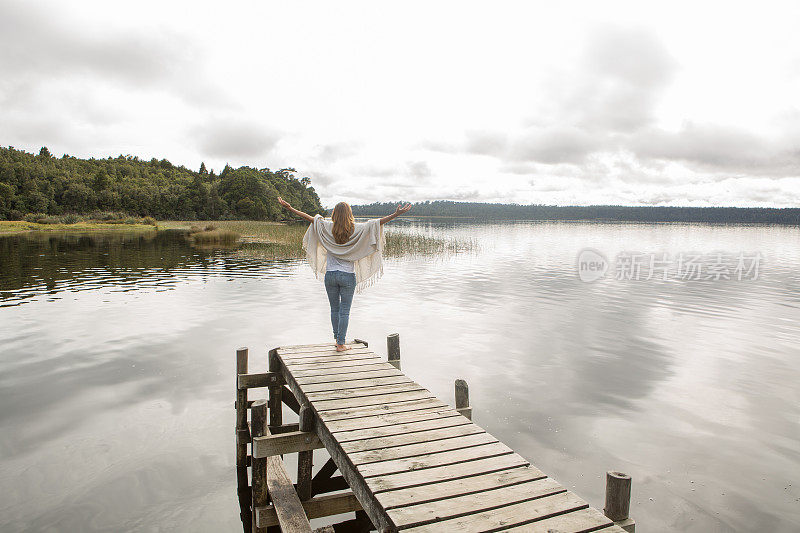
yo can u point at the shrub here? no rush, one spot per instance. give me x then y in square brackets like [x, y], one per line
[34, 217]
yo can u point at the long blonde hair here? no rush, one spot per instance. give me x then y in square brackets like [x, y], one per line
[343, 222]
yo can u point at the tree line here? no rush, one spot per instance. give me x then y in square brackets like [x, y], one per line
[156, 188]
[475, 210]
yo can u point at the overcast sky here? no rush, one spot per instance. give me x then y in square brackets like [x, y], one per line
[634, 103]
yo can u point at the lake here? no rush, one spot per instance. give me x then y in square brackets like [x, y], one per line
[678, 366]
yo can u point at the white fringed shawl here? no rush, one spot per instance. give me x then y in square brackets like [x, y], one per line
[364, 248]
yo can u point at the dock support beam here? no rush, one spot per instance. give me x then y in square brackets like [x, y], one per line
[393, 349]
[275, 393]
[258, 419]
[618, 500]
[305, 459]
[242, 438]
[462, 398]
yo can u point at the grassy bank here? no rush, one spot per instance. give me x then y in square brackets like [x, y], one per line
[9, 227]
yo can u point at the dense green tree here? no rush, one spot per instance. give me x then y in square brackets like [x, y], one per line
[157, 188]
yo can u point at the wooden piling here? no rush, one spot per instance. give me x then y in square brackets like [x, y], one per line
[305, 459]
[242, 438]
[618, 500]
[275, 392]
[462, 398]
[258, 419]
[393, 349]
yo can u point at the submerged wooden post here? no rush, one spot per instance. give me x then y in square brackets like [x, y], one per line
[462, 398]
[305, 460]
[258, 420]
[275, 404]
[242, 437]
[618, 500]
[393, 349]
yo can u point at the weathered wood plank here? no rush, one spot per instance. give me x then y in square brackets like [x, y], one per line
[405, 438]
[400, 428]
[355, 384]
[360, 392]
[290, 513]
[373, 410]
[507, 516]
[580, 521]
[416, 478]
[366, 401]
[421, 448]
[323, 361]
[419, 462]
[333, 366]
[459, 487]
[381, 372]
[291, 442]
[288, 351]
[317, 507]
[425, 513]
[347, 369]
[266, 379]
[332, 354]
[390, 419]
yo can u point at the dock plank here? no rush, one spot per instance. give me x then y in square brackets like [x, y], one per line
[424, 513]
[391, 419]
[457, 487]
[417, 478]
[357, 392]
[420, 448]
[432, 435]
[507, 516]
[444, 421]
[366, 401]
[442, 458]
[372, 410]
[314, 388]
[581, 521]
[380, 372]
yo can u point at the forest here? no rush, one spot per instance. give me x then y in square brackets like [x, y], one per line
[485, 211]
[48, 185]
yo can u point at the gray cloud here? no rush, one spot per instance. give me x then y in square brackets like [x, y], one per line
[717, 148]
[606, 105]
[231, 138]
[40, 50]
[419, 170]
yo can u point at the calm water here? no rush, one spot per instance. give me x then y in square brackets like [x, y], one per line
[117, 368]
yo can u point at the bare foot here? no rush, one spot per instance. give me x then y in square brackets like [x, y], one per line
[342, 347]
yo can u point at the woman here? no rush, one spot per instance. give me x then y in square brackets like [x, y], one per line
[349, 254]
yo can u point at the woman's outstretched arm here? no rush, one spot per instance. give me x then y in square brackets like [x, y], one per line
[297, 212]
[399, 211]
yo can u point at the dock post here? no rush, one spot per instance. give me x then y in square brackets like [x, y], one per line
[618, 500]
[275, 403]
[242, 438]
[462, 398]
[393, 349]
[305, 460]
[258, 419]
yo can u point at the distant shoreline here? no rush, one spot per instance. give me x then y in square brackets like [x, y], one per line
[787, 216]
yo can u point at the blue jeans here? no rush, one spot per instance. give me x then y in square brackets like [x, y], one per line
[340, 286]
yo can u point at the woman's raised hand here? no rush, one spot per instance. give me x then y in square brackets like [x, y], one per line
[283, 202]
[403, 209]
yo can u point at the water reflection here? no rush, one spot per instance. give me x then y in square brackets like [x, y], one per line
[117, 372]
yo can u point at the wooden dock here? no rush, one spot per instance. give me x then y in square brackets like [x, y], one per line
[407, 460]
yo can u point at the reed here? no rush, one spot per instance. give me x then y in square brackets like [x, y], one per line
[214, 236]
